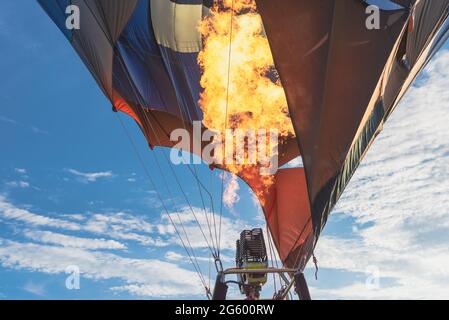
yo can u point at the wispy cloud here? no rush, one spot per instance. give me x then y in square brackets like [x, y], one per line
[20, 170]
[132, 177]
[33, 128]
[18, 184]
[177, 257]
[74, 240]
[174, 256]
[38, 130]
[48, 237]
[118, 226]
[231, 192]
[21, 180]
[52, 251]
[160, 279]
[11, 212]
[35, 288]
[8, 120]
[199, 225]
[91, 176]
[124, 226]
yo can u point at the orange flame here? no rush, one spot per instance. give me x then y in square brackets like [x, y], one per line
[239, 90]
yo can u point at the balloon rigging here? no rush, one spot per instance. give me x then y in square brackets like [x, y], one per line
[252, 65]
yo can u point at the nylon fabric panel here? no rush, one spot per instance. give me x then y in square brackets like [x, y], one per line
[329, 77]
[112, 15]
[427, 15]
[287, 213]
[139, 69]
[176, 25]
[56, 11]
[94, 47]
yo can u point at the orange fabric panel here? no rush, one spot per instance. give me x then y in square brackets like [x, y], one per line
[290, 220]
[287, 212]
[121, 105]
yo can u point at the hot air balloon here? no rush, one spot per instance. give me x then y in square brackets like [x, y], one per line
[314, 69]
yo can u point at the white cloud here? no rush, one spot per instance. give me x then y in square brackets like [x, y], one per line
[34, 129]
[51, 251]
[157, 290]
[18, 184]
[119, 226]
[63, 240]
[91, 176]
[398, 200]
[125, 227]
[232, 187]
[76, 217]
[174, 256]
[38, 130]
[294, 163]
[8, 120]
[158, 278]
[189, 223]
[20, 170]
[10, 212]
[119, 221]
[177, 257]
[35, 288]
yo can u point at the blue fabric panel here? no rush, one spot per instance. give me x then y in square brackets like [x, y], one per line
[185, 75]
[56, 11]
[143, 72]
[139, 61]
[440, 39]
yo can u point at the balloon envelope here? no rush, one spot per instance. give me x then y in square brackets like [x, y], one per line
[342, 80]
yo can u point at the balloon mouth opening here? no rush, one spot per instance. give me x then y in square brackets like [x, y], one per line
[241, 88]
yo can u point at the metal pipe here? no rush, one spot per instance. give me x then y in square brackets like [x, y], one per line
[250, 271]
[287, 290]
[286, 280]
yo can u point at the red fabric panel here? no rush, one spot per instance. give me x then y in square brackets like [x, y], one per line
[287, 212]
[121, 105]
[290, 217]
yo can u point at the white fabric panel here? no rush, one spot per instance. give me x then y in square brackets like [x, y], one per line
[176, 25]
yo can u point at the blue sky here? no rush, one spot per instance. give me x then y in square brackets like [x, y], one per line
[72, 191]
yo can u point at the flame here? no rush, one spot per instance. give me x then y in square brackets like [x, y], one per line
[241, 89]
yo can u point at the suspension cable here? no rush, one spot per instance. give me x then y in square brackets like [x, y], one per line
[197, 269]
[180, 186]
[270, 250]
[191, 253]
[226, 117]
[194, 174]
[158, 164]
